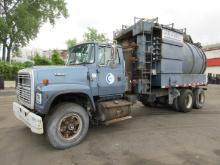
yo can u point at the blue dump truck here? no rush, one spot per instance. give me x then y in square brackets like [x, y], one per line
[151, 63]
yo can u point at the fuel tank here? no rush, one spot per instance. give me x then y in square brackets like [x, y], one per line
[114, 109]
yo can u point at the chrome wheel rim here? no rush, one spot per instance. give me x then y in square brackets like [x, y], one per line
[70, 126]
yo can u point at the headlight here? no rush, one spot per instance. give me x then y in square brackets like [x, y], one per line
[38, 98]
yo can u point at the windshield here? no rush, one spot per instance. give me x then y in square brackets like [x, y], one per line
[81, 54]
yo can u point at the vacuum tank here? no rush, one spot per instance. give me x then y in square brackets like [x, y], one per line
[159, 55]
[176, 49]
[194, 59]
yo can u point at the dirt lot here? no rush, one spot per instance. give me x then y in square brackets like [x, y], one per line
[153, 137]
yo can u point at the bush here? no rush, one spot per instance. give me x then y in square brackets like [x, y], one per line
[9, 71]
[55, 59]
[38, 60]
[28, 64]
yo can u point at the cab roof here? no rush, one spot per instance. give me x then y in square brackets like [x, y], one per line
[99, 43]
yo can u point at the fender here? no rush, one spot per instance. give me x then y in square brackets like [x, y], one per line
[50, 92]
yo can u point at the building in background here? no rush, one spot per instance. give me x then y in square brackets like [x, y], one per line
[213, 62]
[30, 53]
[63, 53]
[23, 55]
[26, 54]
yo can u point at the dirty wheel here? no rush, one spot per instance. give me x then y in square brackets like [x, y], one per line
[199, 98]
[70, 126]
[146, 103]
[67, 126]
[175, 105]
[185, 100]
[149, 104]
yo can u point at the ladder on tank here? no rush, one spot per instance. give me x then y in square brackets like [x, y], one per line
[146, 71]
[151, 55]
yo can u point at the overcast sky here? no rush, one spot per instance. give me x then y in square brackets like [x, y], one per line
[200, 17]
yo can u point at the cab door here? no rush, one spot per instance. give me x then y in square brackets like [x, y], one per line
[110, 71]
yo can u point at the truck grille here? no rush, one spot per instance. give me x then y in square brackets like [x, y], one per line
[24, 89]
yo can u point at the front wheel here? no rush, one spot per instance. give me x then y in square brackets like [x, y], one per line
[67, 126]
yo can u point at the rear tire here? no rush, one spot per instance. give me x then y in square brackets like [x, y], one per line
[175, 104]
[149, 104]
[199, 98]
[146, 103]
[67, 126]
[185, 100]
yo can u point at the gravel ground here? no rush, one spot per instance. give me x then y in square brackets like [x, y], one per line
[154, 136]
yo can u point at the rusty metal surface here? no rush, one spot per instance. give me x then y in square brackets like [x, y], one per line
[109, 110]
[128, 49]
[115, 103]
[117, 120]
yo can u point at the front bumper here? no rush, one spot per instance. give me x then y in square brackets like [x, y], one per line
[33, 121]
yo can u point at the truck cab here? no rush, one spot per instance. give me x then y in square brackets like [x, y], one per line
[61, 100]
[105, 67]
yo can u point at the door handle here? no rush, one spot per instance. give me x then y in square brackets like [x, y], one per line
[119, 78]
[93, 76]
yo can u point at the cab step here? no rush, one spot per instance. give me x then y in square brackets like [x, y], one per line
[117, 120]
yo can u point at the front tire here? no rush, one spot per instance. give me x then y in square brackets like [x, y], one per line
[67, 126]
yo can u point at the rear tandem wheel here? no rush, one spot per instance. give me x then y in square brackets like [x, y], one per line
[185, 100]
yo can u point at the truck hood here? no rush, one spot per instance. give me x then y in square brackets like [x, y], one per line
[61, 74]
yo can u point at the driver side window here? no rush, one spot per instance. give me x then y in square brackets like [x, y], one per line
[105, 56]
[101, 56]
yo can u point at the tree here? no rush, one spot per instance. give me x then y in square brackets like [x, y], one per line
[93, 35]
[38, 60]
[16, 51]
[55, 59]
[20, 20]
[71, 43]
